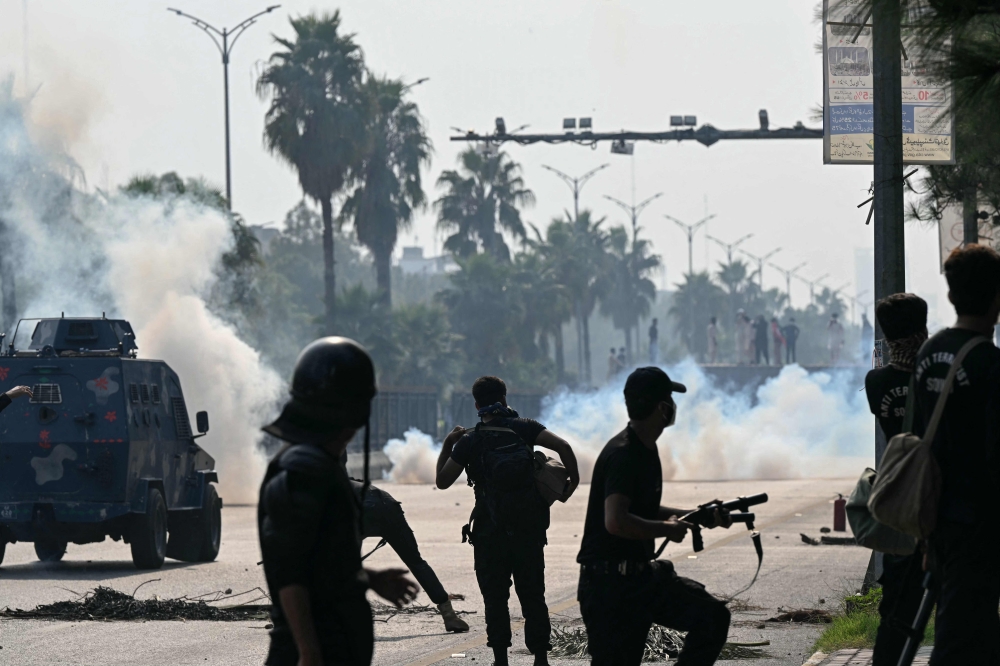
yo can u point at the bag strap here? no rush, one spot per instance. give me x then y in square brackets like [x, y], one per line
[910, 403]
[932, 426]
[494, 429]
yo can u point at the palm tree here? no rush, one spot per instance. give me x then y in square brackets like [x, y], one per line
[546, 301]
[628, 292]
[389, 185]
[481, 201]
[696, 300]
[577, 249]
[316, 118]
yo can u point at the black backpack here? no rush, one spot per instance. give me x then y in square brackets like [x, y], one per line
[507, 480]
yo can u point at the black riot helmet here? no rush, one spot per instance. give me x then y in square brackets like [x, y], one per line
[332, 388]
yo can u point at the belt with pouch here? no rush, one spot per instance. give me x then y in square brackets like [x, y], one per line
[616, 567]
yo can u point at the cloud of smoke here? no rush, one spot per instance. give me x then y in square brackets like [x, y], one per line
[150, 262]
[796, 425]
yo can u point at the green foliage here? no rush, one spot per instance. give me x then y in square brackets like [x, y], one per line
[857, 625]
[627, 292]
[698, 299]
[481, 201]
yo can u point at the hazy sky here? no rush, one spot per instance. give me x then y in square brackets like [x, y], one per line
[130, 88]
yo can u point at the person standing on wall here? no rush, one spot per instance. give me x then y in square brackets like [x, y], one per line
[964, 544]
[622, 591]
[713, 340]
[778, 339]
[508, 525]
[760, 340]
[835, 338]
[307, 516]
[742, 337]
[791, 333]
[903, 318]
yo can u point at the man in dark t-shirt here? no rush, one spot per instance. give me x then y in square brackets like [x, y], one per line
[903, 318]
[506, 551]
[622, 592]
[964, 545]
[791, 333]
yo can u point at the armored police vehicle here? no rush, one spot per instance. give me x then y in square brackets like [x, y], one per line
[104, 447]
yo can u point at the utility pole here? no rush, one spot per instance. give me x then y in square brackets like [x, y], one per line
[690, 230]
[229, 37]
[729, 247]
[634, 211]
[760, 263]
[576, 184]
[789, 274]
[812, 285]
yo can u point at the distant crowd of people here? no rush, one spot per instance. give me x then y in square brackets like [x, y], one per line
[754, 337]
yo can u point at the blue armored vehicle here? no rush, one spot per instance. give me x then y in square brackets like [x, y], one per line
[103, 448]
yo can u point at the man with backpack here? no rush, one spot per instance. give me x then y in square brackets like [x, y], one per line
[903, 318]
[964, 543]
[507, 527]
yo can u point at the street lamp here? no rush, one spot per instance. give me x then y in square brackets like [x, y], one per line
[760, 263]
[788, 278]
[812, 285]
[229, 37]
[576, 184]
[634, 211]
[729, 247]
[690, 230]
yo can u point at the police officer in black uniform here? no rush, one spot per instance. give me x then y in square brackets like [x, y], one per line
[622, 591]
[903, 318]
[308, 516]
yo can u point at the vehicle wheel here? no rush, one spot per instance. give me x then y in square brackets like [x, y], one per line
[211, 526]
[195, 536]
[50, 550]
[149, 533]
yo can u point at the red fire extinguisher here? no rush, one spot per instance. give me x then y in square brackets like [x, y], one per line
[840, 514]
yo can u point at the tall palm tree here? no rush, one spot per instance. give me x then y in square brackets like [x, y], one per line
[316, 119]
[629, 293]
[389, 185]
[577, 249]
[481, 201]
[696, 300]
[546, 300]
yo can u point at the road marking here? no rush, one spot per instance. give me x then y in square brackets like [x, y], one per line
[566, 604]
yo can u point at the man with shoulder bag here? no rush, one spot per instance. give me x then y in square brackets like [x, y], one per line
[513, 490]
[942, 481]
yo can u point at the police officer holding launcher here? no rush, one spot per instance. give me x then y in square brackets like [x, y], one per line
[308, 516]
[622, 591]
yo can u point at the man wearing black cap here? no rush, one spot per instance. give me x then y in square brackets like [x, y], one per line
[308, 516]
[622, 591]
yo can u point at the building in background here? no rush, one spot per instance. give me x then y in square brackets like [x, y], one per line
[413, 262]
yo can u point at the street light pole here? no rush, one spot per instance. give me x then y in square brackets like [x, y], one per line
[225, 49]
[634, 211]
[812, 285]
[576, 184]
[729, 247]
[760, 263]
[690, 230]
[788, 278]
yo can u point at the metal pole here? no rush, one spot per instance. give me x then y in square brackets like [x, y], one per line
[970, 220]
[225, 78]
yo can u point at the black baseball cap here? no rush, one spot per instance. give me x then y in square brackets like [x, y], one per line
[651, 383]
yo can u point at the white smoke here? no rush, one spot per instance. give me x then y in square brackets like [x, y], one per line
[796, 425]
[150, 262]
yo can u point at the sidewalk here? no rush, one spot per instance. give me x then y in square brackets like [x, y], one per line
[861, 658]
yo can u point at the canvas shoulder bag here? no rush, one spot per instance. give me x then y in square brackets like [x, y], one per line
[868, 532]
[908, 486]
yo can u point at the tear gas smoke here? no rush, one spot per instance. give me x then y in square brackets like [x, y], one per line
[148, 261]
[794, 425]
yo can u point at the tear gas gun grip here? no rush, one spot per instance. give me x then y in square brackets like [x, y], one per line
[704, 516]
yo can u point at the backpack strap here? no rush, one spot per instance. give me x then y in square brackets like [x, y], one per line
[910, 402]
[932, 426]
[481, 428]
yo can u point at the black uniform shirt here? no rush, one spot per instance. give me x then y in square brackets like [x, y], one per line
[467, 454]
[307, 521]
[625, 467]
[967, 443]
[887, 388]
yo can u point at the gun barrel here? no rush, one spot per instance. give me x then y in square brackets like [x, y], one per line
[742, 517]
[741, 503]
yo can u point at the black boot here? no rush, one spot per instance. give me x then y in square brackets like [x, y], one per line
[542, 659]
[500, 656]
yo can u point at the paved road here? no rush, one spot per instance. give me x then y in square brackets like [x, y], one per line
[794, 576]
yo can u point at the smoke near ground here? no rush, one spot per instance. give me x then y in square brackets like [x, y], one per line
[152, 262]
[796, 425]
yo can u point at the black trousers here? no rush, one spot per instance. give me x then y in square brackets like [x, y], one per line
[902, 592]
[790, 351]
[499, 559]
[760, 349]
[619, 610]
[965, 565]
[383, 517]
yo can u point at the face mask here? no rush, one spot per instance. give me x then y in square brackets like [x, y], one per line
[671, 418]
